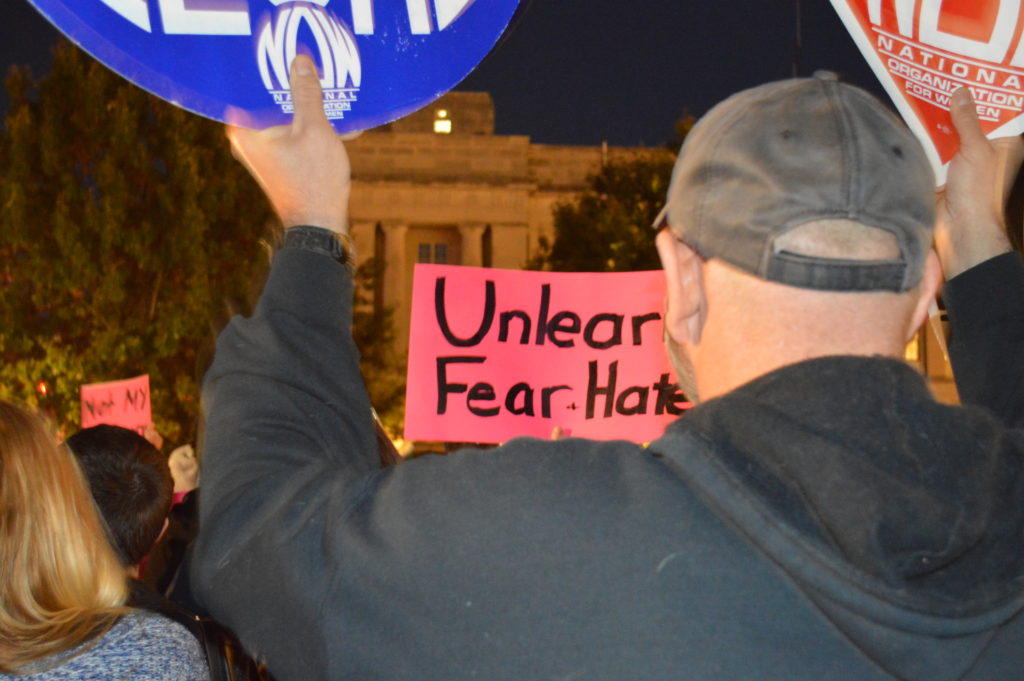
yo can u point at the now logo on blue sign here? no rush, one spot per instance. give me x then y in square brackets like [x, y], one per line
[378, 59]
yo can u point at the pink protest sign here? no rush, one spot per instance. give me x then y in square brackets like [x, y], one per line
[117, 403]
[923, 50]
[496, 354]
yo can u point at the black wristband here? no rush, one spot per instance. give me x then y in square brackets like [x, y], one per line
[322, 241]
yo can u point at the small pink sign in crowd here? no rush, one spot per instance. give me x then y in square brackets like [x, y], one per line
[117, 403]
[496, 354]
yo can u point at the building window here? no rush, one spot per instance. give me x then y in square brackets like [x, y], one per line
[433, 244]
[436, 254]
[442, 124]
[440, 254]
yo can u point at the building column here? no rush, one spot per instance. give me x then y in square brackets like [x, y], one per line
[472, 234]
[397, 279]
[395, 234]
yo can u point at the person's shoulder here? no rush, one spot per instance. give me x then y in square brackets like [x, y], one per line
[529, 458]
[569, 450]
[140, 646]
[147, 645]
[565, 473]
[145, 625]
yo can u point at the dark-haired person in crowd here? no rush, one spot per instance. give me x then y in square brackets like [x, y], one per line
[816, 516]
[136, 487]
[132, 484]
[63, 588]
[163, 573]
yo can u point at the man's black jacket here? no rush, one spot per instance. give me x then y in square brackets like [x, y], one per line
[826, 521]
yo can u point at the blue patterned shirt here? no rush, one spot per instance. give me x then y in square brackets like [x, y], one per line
[142, 645]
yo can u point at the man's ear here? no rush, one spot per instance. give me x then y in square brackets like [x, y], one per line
[931, 282]
[685, 304]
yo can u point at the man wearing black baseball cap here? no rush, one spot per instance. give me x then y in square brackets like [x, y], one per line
[816, 516]
[784, 196]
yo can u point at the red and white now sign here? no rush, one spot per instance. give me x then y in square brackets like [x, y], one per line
[923, 50]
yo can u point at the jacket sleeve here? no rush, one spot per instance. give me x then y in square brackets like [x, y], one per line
[986, 314]
[289, 443]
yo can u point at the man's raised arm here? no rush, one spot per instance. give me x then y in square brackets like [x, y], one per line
[984, 292]
[289, 439]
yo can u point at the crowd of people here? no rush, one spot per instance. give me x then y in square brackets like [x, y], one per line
[817, 515]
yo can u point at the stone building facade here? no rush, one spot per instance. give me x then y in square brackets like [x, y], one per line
[440, 187]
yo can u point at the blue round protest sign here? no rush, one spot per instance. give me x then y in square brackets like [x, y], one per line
[378, 59]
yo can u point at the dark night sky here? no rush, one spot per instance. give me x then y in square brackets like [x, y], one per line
[583, 71]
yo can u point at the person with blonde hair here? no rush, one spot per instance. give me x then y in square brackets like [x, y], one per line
[62, 587]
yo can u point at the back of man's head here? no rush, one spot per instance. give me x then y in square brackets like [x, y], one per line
[773, 159]
[811, 207]
[131, 484]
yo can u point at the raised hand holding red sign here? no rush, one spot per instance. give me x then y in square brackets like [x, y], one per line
[923, 50]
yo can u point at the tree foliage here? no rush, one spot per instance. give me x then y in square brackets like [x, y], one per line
[374, 333]
[607, 228]
[126, 228]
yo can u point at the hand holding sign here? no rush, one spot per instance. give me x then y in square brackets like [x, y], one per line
[303, 167]
[970, 225]
[924, 50]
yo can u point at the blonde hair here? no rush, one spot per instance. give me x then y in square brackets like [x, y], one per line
[61, 583]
